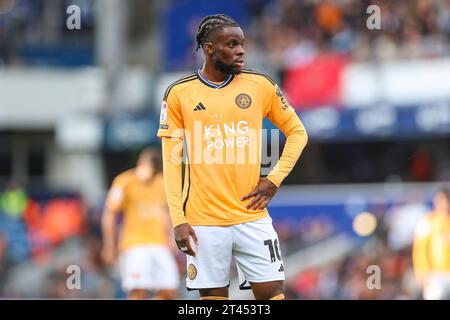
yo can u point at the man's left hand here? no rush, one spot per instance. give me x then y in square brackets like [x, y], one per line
[262, 194]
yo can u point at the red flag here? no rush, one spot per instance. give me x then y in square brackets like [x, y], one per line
[315, 83]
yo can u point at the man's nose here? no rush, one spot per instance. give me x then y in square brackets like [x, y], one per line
[241, 51]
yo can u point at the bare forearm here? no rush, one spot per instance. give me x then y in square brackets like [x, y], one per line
[109, 228]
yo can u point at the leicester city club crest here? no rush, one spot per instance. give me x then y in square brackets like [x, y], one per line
[243, 101]
[191, 271]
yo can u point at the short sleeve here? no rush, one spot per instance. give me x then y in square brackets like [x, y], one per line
[116, 195]
[171, 122]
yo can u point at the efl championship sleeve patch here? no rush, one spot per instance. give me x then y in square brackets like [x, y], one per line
[163, 115]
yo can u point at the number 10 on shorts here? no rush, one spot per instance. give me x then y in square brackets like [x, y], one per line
[274, 249]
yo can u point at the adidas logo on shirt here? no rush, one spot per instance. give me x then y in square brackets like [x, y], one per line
[199, 107]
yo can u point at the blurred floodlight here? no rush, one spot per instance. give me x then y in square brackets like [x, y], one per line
[364, 224]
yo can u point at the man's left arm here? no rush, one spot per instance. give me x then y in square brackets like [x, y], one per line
[282, 115]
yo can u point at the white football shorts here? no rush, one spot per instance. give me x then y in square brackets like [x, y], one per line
[149, 267]
[254, 245]
[437, 287]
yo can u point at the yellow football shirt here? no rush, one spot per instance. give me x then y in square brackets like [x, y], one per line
[431, 249]
[145, 217]
[221, 125]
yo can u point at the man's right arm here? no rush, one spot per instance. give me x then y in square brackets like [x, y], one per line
[171, 126]
[172, 166]
[113, 206]
[172, 159]
[109, 250]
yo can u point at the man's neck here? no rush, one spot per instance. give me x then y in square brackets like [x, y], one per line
[212, 74]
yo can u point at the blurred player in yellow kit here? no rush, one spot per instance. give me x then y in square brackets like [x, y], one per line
[431, 250]
[146, 260]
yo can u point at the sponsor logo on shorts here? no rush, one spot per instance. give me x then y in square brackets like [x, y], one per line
[191, 271]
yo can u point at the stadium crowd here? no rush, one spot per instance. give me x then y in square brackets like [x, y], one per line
[291, 30]
[281, 32]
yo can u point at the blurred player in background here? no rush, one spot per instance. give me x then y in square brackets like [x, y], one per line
[146, 259]
[221, 107]
[431, 250]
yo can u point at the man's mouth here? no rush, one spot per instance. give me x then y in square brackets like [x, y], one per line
[239, 62]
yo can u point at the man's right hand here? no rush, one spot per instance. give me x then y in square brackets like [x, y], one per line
[182, 234]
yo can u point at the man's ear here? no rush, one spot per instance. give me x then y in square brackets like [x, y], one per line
[208, 47]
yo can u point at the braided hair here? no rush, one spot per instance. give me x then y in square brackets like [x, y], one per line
[210, 23]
